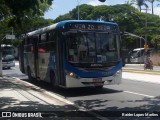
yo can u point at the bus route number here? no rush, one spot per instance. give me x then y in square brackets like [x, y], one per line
[83, 26]
[91, 27]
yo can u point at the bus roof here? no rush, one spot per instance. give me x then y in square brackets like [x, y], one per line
[62, 24]
[4, 45]
[137, 49]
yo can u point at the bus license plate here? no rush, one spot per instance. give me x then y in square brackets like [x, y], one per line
[97, 79]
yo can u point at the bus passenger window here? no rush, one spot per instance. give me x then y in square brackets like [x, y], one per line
[51, 42]
[43, 37]
[51, 36]
[28, 40]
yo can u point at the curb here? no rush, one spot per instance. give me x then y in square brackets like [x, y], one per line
[142, 71]
[62, 99]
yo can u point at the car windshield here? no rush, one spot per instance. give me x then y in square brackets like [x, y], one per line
[90, 47]
[137, 53]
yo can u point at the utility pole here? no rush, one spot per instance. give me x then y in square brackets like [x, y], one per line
[78, 9]
[1, 56]
[146, 45]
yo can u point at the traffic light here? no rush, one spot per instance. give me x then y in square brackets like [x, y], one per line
[102, 0]
[145, 46]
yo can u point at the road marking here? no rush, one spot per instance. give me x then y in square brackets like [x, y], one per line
[139, 94]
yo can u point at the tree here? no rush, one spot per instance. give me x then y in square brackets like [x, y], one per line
[152, 2]
[15, 12]
[140, 3]
[156, 41]
[120, 14]
[18, 10]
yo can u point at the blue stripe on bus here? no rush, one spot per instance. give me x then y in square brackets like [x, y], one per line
[91, 74]
[62, 23]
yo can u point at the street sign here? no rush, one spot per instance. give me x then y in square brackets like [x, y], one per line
[10, 37]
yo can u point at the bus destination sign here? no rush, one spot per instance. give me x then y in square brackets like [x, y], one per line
[92, 26]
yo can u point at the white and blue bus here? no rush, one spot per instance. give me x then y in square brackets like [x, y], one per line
[8, 59]
[73, 53]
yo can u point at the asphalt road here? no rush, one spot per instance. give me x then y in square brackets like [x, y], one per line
[131, 95]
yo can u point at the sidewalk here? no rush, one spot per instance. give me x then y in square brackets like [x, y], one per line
[139, 68]
[23, 97]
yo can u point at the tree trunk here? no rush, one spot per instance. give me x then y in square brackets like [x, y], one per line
[152, 8]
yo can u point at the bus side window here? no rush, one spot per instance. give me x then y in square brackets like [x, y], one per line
[27, 40]
[51, 36]
[41, 43]
[28, 43]
[51, 44]
[43, 37]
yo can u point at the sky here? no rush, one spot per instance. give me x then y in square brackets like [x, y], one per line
[61, 7]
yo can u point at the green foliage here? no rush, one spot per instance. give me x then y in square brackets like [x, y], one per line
[19, 10]
[156, 41]
[140, 3]
[22, 16]
[128, 18]
[28, 25]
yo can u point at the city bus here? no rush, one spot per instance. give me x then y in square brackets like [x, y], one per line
[8, 59]
[73, 53]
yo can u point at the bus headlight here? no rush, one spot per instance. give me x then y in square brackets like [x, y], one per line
[71, 74]
[118, 72]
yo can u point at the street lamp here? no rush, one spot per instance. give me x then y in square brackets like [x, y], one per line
[145, 40]
[140, 37]
[145, 24]
[78, 8]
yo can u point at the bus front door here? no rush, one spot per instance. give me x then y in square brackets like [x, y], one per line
[35, 47]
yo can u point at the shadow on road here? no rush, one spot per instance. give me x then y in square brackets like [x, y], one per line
[48, 112]
[12, 103]
[102, 107]
[73, 92]
[148, 105]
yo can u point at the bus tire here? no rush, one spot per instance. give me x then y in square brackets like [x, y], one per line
[52, 79]
[29, 74]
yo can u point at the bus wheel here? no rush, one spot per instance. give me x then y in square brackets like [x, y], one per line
[52, 79]
[29, 74]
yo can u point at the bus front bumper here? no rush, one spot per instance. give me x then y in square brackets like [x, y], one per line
[8, 64]
[90, 82]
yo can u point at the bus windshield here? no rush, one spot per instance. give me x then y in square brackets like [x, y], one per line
[7, 51]
[91, 47]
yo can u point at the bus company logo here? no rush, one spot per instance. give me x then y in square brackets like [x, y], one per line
[96, 65]
[6, 114]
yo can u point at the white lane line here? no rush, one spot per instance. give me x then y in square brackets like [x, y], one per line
[139, 94]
